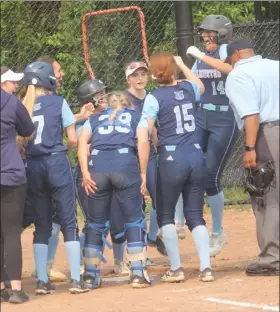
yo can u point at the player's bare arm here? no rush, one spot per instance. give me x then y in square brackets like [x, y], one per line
[82, 153]
[218, 64]
[189, 74]
[144, 150]
[71, 136]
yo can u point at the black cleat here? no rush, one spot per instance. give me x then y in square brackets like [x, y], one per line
[139, 281]
[18, 297]
[5, 296]
[176, 276]
[91, 282]
[7, 284]
[78, 287]
[44, 288]
[207, 275]
[151, 243]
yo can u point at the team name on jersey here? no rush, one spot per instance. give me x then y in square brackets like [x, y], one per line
[208, 73]
[36, 107]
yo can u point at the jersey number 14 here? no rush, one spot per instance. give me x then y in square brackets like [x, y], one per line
[219, 88]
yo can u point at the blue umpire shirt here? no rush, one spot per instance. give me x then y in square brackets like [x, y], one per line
[253, 88]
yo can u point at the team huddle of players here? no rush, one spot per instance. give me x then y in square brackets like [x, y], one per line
[128, 141]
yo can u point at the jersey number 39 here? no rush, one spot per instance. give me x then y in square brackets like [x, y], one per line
[124, 118]
[185, 121]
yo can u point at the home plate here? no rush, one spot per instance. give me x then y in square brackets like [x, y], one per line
[120, 279]
[243, 304]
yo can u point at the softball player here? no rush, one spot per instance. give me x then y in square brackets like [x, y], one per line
[136, 74]
[89, 92]
[113, 167]
[181, 163]
[49, 174]
[86, 95]
[215, 121]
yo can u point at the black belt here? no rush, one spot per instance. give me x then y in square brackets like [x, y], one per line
[270, 124]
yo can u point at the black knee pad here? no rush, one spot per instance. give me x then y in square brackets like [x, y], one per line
[191, 224]
[132, 231]
[118, 238]
[212, 191]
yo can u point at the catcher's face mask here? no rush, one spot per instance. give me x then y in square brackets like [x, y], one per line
[258, 180]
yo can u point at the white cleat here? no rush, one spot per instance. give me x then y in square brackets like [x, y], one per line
[217, 242]
[121, 268]
[181, 230]
[82, 268]
[54, 274]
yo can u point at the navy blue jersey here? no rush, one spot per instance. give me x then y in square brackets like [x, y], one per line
[176, 123]
[119, 133]
[137, 103]
[47, 118]
[214, 82]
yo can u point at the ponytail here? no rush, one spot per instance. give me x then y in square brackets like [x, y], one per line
[32, 93]
[118, 100]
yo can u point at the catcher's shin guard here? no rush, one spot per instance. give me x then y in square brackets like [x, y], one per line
[93, 252]
[136, 249]
[93, 256]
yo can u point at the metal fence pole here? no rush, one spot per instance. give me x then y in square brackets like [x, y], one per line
[258, 10]
[184, 29]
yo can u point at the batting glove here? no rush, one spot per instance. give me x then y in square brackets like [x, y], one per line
[196, 53]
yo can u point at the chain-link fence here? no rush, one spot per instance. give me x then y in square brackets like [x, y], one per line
[30, 29]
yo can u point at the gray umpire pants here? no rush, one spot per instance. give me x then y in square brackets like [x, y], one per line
[267, 217]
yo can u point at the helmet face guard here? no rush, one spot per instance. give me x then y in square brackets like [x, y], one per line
[221, 25]
[88, 89]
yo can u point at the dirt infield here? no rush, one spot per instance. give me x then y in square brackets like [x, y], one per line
[232, 290]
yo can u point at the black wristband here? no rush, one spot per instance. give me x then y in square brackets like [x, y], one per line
[249, 148]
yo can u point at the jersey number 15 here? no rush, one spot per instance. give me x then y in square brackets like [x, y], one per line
[185, 121]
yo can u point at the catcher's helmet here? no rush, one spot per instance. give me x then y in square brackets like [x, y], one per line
[219, 23]
[40, 74]
[87, 90]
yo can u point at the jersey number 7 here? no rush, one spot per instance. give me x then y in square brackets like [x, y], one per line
[39, 123]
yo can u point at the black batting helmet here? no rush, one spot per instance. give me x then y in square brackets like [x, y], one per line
[40, 74]
[86, 91]
[219, 23]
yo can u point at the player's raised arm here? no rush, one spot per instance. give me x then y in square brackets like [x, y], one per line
[218, 64]
[189, 74]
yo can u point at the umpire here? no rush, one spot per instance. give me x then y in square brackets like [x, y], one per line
[253, 89]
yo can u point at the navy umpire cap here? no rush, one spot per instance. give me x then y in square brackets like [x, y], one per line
[237, 45]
